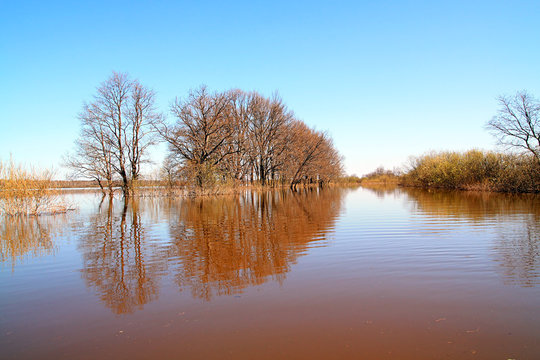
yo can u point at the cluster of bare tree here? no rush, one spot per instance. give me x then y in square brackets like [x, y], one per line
[215, 137]
[245, 137]
[232, 136]
[117, 129]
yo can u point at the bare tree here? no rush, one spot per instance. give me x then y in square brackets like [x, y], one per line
[311, 156]
[116, 131]
[169, 170]
[110, 105]
[90, 163]
[236, 160]
[140, 134]
[328, 165]
[92, 158]
[517, 123]
[268, 129]
[200, 136]
[246, 136]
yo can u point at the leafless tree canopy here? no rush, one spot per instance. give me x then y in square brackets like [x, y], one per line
[246, 137]
[230, 136]
[202, 132]
[517, 123]
[116, 131]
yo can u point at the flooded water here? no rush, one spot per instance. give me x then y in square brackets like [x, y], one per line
[332, 274]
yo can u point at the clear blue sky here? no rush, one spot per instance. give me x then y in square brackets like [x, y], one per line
[386, 79]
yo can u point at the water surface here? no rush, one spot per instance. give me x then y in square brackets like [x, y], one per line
[338, 273]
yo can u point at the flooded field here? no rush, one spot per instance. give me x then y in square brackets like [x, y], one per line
[331, 274]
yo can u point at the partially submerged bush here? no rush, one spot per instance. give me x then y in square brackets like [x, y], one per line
[27, 192]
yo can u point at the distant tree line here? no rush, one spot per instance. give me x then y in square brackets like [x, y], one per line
[215, 137]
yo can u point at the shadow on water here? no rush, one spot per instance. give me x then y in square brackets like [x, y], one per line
[211, 246]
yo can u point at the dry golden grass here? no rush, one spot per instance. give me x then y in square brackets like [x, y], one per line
[27, 191]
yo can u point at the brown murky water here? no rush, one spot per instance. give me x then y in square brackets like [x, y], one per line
[333, 274]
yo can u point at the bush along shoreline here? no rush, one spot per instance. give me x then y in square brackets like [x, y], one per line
[473, 170]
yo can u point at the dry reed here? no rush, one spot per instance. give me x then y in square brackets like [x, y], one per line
[27, 191]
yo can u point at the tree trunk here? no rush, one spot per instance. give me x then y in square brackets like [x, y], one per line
[125, 183]
[110, 186]
[262, 174]
[101, 186]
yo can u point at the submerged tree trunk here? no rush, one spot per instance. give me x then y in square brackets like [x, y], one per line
[110, 186]
[262, 174]
[101, 186]
[125, 183]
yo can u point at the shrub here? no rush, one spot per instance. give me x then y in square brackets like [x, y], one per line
[475, 170]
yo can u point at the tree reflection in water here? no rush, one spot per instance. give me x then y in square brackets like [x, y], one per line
[519, 249]
[227, 244]
[118, 263]
[515, 219]
[213, 246]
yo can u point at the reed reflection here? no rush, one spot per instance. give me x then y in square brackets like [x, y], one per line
[119, 264]
[23, 236]
[515, 219]
[227, 244]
